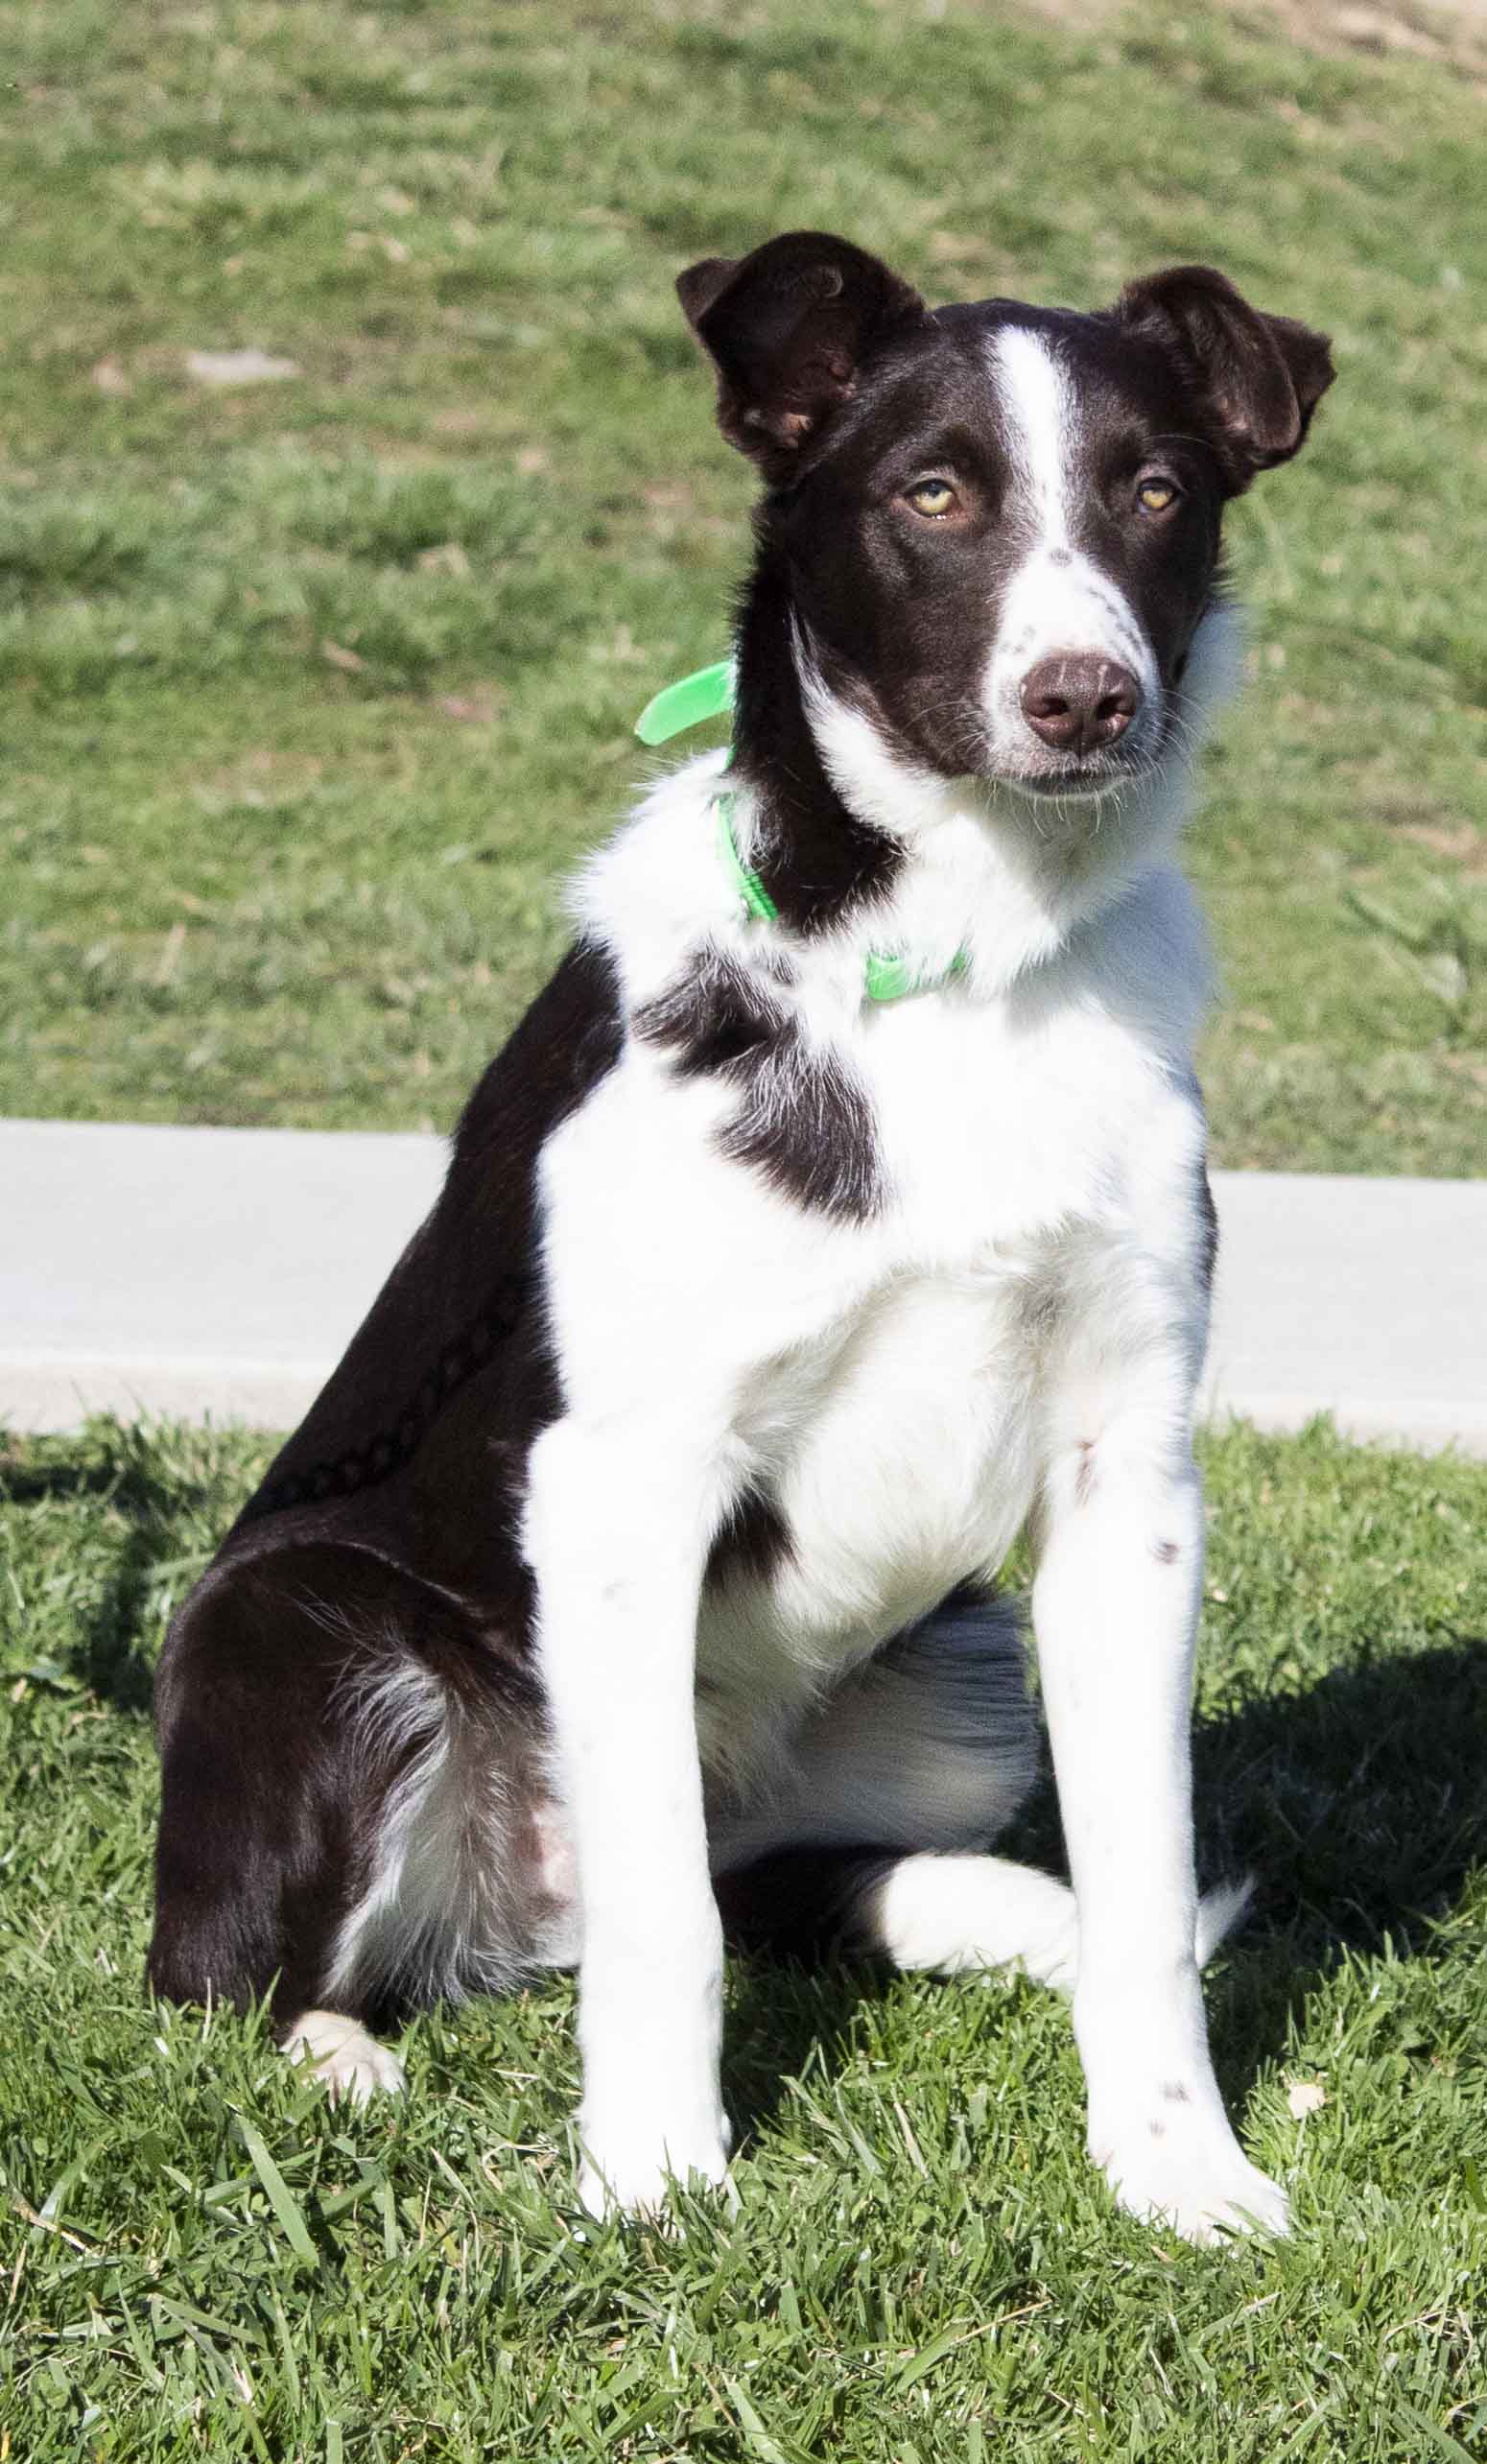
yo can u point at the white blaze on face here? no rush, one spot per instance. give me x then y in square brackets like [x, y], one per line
[1058, 598]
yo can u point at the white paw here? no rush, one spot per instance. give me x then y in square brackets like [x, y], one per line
[1188, 2172]
[630, 2171]
[340, 2052]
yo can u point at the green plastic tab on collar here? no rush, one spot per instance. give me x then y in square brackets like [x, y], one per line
[890, 978]
[745, 881]
[676, 707]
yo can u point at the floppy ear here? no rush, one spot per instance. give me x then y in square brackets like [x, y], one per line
[1258, 378]
[787, 329]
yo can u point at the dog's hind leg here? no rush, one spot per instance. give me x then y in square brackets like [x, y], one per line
[267, 1818]
[932, 1743]
[904, 1772]
[351, 1815]
[900, 1781]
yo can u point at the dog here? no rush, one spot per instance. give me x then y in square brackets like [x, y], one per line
[838, 1210]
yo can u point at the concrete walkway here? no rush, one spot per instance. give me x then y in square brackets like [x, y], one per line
[221, 1271]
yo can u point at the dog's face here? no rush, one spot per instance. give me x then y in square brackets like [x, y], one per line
[1000, 523]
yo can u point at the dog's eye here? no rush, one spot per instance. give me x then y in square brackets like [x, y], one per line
[933, 498]
[1156, 494]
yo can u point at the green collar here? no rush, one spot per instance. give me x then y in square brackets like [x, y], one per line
[709, 694]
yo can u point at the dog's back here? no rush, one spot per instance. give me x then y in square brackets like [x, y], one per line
[371, 1609]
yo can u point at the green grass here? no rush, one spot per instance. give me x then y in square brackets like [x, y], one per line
[200, 2258]
[311, 690]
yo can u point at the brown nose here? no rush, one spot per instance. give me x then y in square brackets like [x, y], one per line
[1076, 703]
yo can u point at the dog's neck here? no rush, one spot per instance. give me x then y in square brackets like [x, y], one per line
[854, 840]
[819, 860]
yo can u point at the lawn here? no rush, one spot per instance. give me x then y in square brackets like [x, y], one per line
[313, 687]
[200, 2258]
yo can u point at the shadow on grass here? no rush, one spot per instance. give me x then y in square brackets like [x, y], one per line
[785, 2019]
[110, 1654]
[61, 1479]
[1360, 1807]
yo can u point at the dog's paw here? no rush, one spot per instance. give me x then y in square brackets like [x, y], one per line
[350, 2063]
[632, 2171]
[1190, 2174]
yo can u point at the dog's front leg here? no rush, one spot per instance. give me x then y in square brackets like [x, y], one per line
[1114, 1607]
[616, 1533]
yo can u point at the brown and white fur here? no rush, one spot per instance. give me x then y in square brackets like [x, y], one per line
[639, 1555]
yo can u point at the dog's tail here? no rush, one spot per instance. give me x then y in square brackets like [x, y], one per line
[947, 1911]
[1221, 1912]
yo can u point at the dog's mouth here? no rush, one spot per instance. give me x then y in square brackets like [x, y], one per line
[1075, 782]
[1073, 786]
[1088, 779]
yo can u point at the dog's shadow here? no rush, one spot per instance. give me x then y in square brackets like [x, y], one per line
[1360, 1807]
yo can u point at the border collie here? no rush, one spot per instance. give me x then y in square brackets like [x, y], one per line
[838, 1210]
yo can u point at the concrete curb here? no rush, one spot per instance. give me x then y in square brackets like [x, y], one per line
[219, 1273]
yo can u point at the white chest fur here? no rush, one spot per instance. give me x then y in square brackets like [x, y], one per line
[895, 1384]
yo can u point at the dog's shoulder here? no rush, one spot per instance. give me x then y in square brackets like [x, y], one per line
[656, 895]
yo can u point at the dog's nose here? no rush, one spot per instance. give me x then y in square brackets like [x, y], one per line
[1078, 702]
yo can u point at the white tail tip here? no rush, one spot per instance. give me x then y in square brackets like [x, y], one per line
[1219, 1912]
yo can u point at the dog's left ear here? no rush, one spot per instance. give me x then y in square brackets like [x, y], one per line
[786, 328]
[1257, 378]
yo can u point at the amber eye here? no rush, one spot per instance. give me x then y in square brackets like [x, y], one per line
[1155, 495]
[933, 498]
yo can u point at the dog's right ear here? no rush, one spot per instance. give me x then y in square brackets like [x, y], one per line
[786, 328]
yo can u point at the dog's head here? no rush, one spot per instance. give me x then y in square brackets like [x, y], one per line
[1001, 523]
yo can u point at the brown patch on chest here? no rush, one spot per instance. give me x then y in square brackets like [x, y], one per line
[804, 1119]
